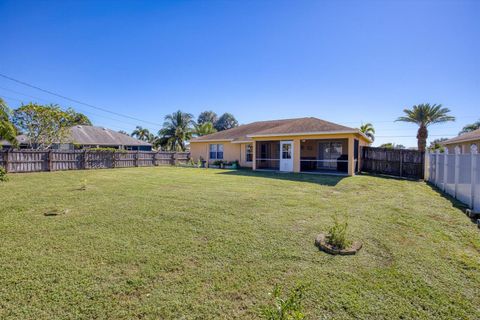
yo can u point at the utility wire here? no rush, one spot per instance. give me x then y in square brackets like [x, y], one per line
[87, 112]
[75, 100]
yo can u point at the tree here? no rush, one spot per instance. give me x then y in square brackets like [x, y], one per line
[470, 127]
[78, 118]
[177, 129]
[207, 116]
[43, 125]
[390, 145]
[436, 145]
[8, 131]
[204, 129]
[368, 130]
[425, 115]
[226, 121]
[140, 133]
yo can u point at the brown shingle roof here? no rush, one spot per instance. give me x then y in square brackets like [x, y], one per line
[91, 135]
[469, 136]
[276, 127]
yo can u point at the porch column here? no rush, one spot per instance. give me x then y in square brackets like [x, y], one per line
[296, 155]
[351, 154]
[254, 155]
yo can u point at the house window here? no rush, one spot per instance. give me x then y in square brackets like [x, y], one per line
[216, 151]
[286, 151]
[249, 152]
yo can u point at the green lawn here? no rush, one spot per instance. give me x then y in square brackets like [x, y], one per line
[179, 243]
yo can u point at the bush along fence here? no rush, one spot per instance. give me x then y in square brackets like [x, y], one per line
[457, 175]
[56, 160]
[394, 162]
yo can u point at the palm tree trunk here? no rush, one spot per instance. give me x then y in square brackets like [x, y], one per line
[422, 136]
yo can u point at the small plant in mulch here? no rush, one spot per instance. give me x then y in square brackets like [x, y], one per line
[285, 307]
[336, 240]
[83, 184]
[3, 175]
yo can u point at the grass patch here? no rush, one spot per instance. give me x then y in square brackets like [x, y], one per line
[168, 242]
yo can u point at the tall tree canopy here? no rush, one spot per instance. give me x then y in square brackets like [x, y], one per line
[207, 116]
[8, 131]
[141, 133]
[226, 121]
[470, 127]
[368, 130]
[176, 131]
[77, 118]
[204, 129]
[425, 115]
[44, 125]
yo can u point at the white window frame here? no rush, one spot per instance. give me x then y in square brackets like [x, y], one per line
[247, 153]
[216, 151]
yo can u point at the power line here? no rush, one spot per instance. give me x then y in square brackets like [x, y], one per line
[75, 100]
[87, 112]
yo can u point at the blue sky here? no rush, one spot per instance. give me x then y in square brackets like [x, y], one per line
[343, 61]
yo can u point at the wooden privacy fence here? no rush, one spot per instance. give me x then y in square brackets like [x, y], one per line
[393, 162]
[55, 160]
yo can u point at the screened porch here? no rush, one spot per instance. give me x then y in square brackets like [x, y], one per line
[324, 156]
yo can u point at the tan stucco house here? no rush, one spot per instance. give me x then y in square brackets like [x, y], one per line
[464, 142]
[290, 145]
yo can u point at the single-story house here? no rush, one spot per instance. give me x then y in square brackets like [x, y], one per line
[87, 137]
[290, 145]
[463, 142]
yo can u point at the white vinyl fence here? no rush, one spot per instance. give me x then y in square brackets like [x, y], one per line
[456, 174]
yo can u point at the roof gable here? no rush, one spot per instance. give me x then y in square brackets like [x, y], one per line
[469, 136]
[276, 127]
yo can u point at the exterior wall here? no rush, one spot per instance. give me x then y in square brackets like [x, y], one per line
[231, 152]
[237, 151]
[464, 146]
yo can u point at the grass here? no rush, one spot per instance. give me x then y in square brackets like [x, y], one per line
[179, 243]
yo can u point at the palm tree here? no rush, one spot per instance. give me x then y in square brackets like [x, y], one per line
[204, 129]
[177, 129]
[368, 130]
[141, 133]
[8, 131]
[470, 127]
[424, 115]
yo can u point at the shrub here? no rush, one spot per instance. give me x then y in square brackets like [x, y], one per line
[289, 308]
[337, 235]
[3, 175]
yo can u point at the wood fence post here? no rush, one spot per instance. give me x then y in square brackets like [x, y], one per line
[174, 159]
[473, 182]
[436, 167]
[114, 156]
[50, 160]
[136, 158]
[7, 159]
[401, 163]
[85, 159]
[154, 154]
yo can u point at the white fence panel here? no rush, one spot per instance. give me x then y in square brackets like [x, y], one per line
[458, 175]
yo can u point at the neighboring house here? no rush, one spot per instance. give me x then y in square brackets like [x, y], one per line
[291, 145]
[464, 142]
[86, 137]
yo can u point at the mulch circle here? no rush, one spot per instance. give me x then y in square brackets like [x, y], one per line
[321, 243]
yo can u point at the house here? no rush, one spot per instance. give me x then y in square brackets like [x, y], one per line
[290, 145]
[463, 142]
[86, 137]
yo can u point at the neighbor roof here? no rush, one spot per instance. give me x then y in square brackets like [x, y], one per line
[277, 127]
[91, 135]
[469, 136]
